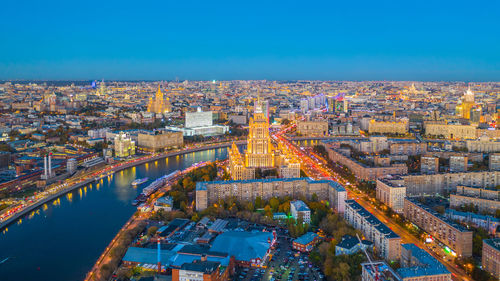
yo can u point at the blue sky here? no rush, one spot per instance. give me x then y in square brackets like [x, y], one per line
[223, 40]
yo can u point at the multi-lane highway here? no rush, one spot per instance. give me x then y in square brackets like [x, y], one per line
[316, 167]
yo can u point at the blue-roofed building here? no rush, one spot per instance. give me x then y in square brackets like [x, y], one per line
[146, 256]
[279, 216]
[248, 248]
[306, 242]
[386, 242]
[348, 246]
[300, 210]
[417, 264]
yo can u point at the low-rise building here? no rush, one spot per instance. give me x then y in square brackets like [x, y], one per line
[453, 235]
[386, 242]
[164, 203]
[201, 270]
[248, 248]
[300, 210]
[491, 256]
[378, 271]
[306, 242]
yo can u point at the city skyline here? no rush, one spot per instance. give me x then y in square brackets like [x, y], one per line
[446, 41]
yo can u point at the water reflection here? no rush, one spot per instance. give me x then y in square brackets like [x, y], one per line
[91, 216]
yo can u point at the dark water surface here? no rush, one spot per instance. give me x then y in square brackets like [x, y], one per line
[63, 239]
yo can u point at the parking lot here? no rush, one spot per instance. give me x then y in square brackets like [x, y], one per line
[286, 264]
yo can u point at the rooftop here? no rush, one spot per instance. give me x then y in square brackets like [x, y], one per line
[428, 265]
[495, 243]
[372, 219]
[244, 246]
[201, 266]
[437, 215]
[306, 238]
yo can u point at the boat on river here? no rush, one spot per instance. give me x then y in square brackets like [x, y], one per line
[140, 181]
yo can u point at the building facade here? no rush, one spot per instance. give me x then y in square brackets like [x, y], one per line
[447, 232]
[312, 128]
[160, 140]
[391, 194]
[261, 153]
[491, 256]
[387, 243]
[159, 105]
[208, 193]
[450, 131]
[418, 185]
[124, 145]
[429, 164]
[400, 127]
[486, 200]
[299, 210]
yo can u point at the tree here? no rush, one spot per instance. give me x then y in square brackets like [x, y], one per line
[258, 202]
[274, 202]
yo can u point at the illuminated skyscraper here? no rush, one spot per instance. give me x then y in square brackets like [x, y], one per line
[159, 105]
[261, 152]
[468, 102]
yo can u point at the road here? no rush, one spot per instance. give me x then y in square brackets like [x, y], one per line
[316, 167]
[16, 211]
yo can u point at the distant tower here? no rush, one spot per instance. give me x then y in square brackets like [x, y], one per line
[158, 105]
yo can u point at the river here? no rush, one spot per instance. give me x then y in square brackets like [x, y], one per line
[63, 239]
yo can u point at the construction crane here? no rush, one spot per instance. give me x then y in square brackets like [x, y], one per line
[374, 267]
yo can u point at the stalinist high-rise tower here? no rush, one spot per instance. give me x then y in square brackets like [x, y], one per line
[159, 105]
[261, 152]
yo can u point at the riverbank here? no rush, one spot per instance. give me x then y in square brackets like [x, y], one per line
[114, 169]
